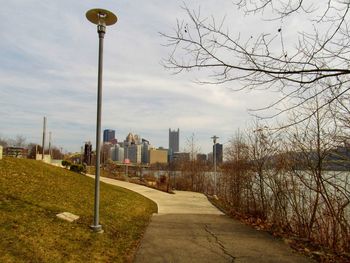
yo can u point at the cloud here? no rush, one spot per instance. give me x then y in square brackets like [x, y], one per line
[49, 68]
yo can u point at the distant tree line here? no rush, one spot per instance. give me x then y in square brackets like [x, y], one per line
[33, 148]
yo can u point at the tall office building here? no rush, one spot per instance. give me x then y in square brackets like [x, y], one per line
[133, 153]
[174, 141]
[218, 152]
[108, 135]
[145, 151]
[87, 153]
[133, 139]
[117, 153]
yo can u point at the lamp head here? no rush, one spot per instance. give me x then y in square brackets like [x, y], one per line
[101, 17]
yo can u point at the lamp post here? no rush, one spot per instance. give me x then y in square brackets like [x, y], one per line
[214, 159]
[101, 18]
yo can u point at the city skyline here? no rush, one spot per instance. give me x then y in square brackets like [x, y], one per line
[173, 139]
[50, 70]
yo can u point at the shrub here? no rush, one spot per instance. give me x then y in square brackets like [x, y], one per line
[66, 163]
[77, 168]
[163, 179]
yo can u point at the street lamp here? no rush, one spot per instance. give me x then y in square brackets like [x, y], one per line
[101, 18]
[214, 158]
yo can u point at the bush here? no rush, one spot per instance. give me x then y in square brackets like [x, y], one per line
[66, 163]
[163, 179]
[78, 168]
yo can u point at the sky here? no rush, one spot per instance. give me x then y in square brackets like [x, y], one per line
[48, 67]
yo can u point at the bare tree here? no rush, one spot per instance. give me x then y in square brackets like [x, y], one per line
[322, 198]
[319, 57]
[192, 147]
[261, 151]
[193, 169]
[20, 141]
[235, 183]
[3, 142]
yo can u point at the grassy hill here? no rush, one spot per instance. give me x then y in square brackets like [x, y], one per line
[32, 193]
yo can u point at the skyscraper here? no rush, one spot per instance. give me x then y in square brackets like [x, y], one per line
[218, 152]
[174, 141]
[145, 151]
[87, 153]
[134, 153]
[108, 135]
[117, 153]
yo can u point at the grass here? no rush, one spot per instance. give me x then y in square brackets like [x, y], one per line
[32, 193]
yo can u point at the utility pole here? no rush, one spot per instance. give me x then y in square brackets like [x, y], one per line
[44, 134]
[214, 159]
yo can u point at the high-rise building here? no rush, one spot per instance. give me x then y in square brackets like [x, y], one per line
[108, 135]
[145, 151]
[217, 148]
[174, 141]
[132, 139]
[133, 153]
[117, 153]
[87, 153]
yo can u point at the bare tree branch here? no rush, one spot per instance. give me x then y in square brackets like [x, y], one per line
[320, 57]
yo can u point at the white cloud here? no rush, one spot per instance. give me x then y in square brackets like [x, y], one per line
[49, 68]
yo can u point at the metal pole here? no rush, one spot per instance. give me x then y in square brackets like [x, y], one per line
[214, 168]
[101, 18]
[101, 29]
[43, 145]
[214, 159]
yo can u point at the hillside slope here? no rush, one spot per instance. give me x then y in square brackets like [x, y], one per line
[32, 193]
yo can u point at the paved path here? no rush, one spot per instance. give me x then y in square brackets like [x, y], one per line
[188, 228]
[180, 203]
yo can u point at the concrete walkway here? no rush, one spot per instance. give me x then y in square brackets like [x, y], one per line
[188, 228]
[181, 202]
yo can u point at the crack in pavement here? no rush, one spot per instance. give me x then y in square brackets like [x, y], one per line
[222, 247]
